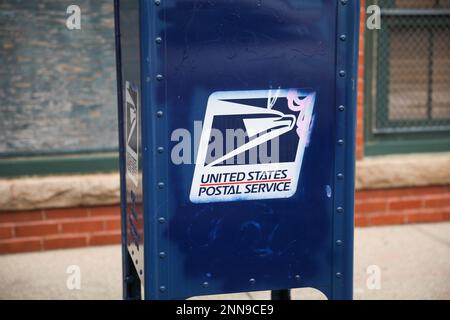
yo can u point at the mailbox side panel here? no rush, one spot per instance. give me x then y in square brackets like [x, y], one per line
[130, 144]
[346, 91]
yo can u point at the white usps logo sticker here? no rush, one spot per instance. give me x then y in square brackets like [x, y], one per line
[131, 131]
[273, 121]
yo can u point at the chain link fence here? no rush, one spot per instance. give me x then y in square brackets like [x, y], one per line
[411, 67]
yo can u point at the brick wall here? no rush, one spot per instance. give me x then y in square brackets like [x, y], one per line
[79, 227]
[399, 206]
[360, 98]
[58, 228]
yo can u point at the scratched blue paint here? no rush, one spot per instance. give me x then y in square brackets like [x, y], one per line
[210, 46]
[328, 191]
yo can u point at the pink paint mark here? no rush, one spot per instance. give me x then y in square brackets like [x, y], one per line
[301, 105]
[292, 97]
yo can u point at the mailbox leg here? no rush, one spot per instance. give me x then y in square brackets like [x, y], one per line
[281, 294]
[132, 283]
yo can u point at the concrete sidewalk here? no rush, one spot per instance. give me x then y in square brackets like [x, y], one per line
[414, 261]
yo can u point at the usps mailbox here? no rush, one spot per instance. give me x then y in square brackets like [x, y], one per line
[237, 138]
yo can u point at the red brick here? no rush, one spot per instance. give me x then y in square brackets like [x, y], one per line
[66, 213]
[361, 195]
[105, 211]
[446, 215]
[387, 219]
[425, 217]
[360, 93]
[20, 245]
[82, 226]
[380, 194]
[105, 238]
[361, 221]
[393, 193]
[396, 192]
[440, 202]
[359, 153]
[64, 241]
[404, 204]
[6, 231]
[20, 216]
[361, 73]
[113, 224]
[423, 191]
[35, 229]
[370, 206]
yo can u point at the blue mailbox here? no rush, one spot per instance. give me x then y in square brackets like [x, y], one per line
[237, 138]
